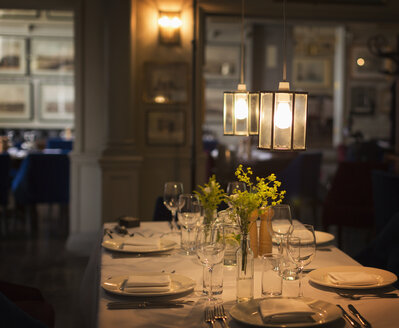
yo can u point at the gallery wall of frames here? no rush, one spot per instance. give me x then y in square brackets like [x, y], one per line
[36, 69]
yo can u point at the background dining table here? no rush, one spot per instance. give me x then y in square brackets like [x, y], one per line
[105, 264]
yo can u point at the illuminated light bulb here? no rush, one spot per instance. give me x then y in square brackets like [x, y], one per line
[169, 22]
[283, 116]
[241, 109]
[360, 61]
[159, 99]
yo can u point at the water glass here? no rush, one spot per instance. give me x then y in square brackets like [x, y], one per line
[272, 282]
[171, 193]
[189, 213]
[231, 236]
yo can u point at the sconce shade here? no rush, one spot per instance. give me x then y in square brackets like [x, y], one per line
[241, 112]
[169, 27]
[282, 121]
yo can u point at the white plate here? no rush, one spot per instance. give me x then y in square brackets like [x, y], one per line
[115, 245]
[179, 284]
[248, 313]
[320, 276]
[323, 237]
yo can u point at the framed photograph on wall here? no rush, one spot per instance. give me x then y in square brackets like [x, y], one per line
[57, 102]
[166, 83]
[165, 128]
[312, 73]
[364, 64]
[363, 99]
[15, 101]
[12, 55]
[52, 56]
[222, 61]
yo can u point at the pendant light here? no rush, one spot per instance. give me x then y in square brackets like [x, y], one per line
[241, 107]
[282, 118]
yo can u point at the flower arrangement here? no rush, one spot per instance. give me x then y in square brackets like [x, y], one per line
[258, 196]
[210, 196]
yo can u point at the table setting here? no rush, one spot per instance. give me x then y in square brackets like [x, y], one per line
[166, 280]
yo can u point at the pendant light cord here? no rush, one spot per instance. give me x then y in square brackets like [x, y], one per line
[242, 43]
[284, 45]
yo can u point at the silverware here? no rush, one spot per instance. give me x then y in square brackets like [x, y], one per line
[145, 305]
[220, 314]
[358, 297]
[123, 284]
[209, 317]
[361, 319]
[348, 318]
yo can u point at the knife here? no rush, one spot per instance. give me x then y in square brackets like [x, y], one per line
[362, 320]
[348, 318]
[143, 305]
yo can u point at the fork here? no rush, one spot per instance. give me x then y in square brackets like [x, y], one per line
[358, 297]
[209, 317]
[220, 314]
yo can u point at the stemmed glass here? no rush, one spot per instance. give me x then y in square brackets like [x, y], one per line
[301, 248]
[171, 193]
[235, 185]
[210, 245]
[281, 223]
[189, 213]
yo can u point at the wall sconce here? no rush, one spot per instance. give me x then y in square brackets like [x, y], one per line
[169, 27]
[282, 121]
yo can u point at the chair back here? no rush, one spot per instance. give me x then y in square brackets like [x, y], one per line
[385, 196]
[161, 213]
[60, 143]
[42, 178]
[5, 167]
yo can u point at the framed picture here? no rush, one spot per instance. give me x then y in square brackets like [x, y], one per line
[19, 13]
[363, 99]
[165, 128]
[52, 56]
[222, 61]
[65, 15]
[364, 64]
[166, 83]
[57, 102]
[15, 101]
[12, 55]
[312, 73]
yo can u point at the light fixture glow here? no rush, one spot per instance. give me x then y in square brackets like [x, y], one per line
[169, 27]
[241, 109]
[283, 116]
[169, 22]
[360, 61]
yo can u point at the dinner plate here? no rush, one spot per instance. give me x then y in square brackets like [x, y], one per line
[323, 237]
[115, 245]
[320, 276]
[179, 284]
[248, 313]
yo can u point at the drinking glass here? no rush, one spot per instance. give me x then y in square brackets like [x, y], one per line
[281, 223]
[189, 213]
[235, 185]
[301, 248]
[171, 193]
[210, 246]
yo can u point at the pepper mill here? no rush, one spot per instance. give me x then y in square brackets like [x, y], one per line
[265, 232]
[253, 233]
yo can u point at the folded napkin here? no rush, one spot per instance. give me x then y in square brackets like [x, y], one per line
[354, 278]
[147, 284]
[285, 310]
[137, 243]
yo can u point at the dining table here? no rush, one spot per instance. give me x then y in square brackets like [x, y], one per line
[105, 264]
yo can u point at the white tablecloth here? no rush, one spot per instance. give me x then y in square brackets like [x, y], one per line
[103, 264]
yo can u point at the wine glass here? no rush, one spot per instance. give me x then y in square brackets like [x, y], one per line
[171, 193]
[189, 213]
[210, 246]
[301, 248]
[235, 185]
[281, 223]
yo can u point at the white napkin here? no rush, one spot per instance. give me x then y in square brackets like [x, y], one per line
[137, 243]
[147, 284]
[285, 310]
[354, 278]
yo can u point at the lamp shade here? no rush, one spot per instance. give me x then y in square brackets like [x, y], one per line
[241, 112]
[282, 120]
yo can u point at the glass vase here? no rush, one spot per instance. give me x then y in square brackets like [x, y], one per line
[210, 216]
[245, 271]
